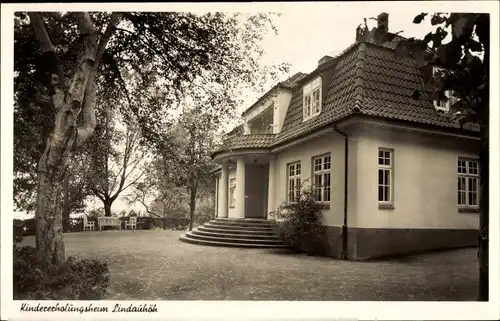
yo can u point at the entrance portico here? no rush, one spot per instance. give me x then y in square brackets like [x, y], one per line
[245, 189]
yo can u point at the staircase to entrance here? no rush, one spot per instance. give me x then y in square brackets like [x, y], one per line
[249, 233]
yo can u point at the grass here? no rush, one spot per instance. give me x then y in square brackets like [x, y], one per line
[155, 265]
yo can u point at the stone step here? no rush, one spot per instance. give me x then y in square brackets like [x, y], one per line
[212, 229]
[232, 240]
[234, 222]
[236, 236]
[249, 220]
[239, 227]
[186, 239]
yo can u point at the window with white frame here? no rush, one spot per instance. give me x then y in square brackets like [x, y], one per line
[321, 177]
[232, 187]
[385, 176]
[468, 183]
[440, 104]
[293, 181]
[312, 98]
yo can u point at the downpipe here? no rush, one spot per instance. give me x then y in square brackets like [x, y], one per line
[344, 253]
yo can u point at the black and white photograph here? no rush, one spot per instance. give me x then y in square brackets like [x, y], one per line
[291, 158]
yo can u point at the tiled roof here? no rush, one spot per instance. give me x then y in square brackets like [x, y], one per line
[290, 83]
[247, 141]
[367, 79]
[388, 84]
[339, 98]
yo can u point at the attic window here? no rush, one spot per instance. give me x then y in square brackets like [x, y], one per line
[312, 99]
[439, 104]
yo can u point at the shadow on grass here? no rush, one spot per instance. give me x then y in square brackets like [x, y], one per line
[284, 251]
[413, 257]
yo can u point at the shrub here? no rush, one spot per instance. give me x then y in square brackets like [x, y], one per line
[18, 231]
[30, 225]
[71, 280]
[299, 224]
[203, 215]
[145, 223]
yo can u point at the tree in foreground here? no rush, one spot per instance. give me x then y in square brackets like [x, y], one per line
[77, 52]
[466, 62]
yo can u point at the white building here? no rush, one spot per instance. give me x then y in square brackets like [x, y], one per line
[393, 174]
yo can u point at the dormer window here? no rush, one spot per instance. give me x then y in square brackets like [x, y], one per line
[439, 104]
[312, 99]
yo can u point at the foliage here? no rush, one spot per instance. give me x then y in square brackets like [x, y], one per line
[184, 175]
[204, 214]
[466, 60]
[18, 230]
[139, 63]
[195, 135]
[150, 63]
[299, 223]
[115, 161]
[72, 280]
[158, 193]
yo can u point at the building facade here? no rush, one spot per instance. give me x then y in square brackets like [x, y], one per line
[392, 174]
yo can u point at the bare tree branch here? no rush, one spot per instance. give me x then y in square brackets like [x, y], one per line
[127, 186]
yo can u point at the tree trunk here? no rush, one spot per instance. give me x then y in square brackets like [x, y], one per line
[192, 207]
[484, 221]
[107, 207]
[69, 102]
[66, 205]
[484, 172]
[49, 229]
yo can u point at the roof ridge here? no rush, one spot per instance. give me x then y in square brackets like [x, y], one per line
[359, 82]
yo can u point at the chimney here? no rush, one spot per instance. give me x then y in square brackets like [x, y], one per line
[324, 59]
[383, 22]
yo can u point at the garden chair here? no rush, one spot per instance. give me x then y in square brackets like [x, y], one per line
[132, 222]
[86, 224]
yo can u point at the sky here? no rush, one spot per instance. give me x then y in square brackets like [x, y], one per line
[311, 31]
[308, 31]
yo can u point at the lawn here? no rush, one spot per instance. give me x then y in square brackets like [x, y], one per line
[155, 265]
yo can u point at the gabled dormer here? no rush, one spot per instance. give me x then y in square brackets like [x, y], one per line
[267, 115]
[312, 98]
[315, 87]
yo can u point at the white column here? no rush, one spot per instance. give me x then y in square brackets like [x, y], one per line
[217, 193]
[239, 211]
[223, 191]
[270, 187]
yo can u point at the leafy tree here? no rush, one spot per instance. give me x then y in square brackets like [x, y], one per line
[115, 162]
[75, 191]
[157, 193]
[75, 57]
[466, 60]
[195, 139]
